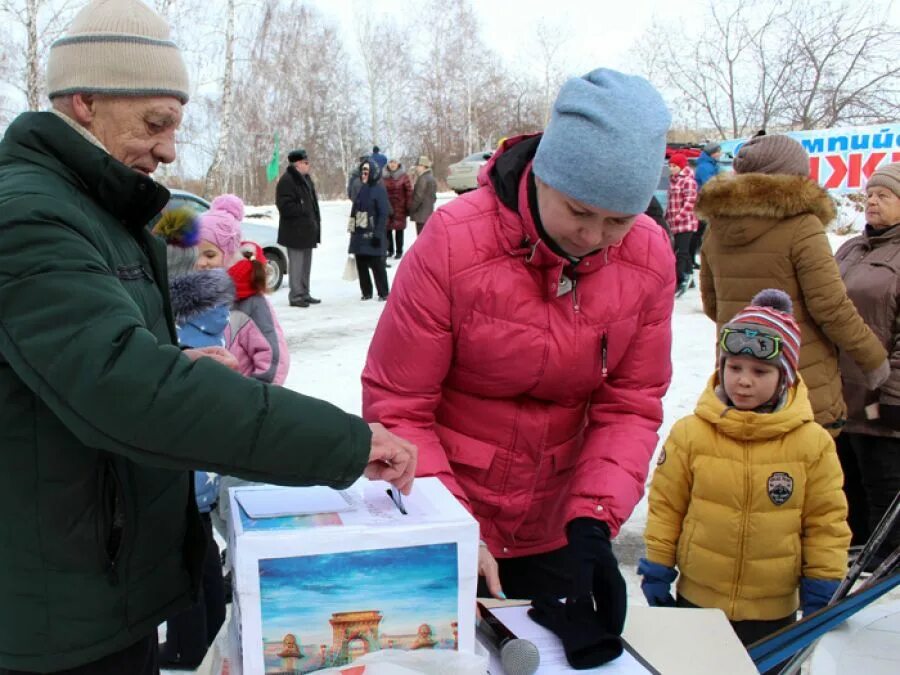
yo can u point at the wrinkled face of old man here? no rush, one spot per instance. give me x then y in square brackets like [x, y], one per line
[139, 131]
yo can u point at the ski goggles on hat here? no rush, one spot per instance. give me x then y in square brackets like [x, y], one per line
[750, 342]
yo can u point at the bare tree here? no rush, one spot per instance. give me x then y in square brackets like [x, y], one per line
[788, 65]
[847, 67]
[549, 39]
[225, 112]
[726, 74]
[40, 22]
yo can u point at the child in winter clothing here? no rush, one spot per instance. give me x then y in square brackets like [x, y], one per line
[201, 298]
[200, 303]
[746, 499]
[253, 335]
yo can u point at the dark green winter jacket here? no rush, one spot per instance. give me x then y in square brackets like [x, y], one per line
[101, 416]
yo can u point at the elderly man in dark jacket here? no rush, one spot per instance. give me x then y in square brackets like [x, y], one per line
[299, 225]
[424, 194]
[102, 416]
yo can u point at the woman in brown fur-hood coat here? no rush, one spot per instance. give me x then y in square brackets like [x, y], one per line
[767, 229]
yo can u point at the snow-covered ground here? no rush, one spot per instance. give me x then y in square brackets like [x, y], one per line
[328, 344]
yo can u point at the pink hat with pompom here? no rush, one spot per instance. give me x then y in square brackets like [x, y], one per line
[221, 225]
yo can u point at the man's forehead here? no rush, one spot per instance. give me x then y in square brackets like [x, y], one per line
[161, 108]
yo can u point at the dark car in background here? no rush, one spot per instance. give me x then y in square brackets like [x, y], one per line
[266, 237]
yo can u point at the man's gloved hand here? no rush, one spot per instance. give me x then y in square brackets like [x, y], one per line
[591, 620]
[815, 593]
[657, 583]
[576, 624]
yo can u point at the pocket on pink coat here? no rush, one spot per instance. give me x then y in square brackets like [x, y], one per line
[474, 467]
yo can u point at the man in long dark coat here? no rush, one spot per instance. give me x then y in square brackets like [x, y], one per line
[299, 225]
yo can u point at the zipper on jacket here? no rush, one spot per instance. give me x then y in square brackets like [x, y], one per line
[745, 516]
[604, 340]
[575, 305]
[112, 534]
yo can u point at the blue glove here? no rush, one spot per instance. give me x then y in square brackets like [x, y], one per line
[657, 583]
[815, 593]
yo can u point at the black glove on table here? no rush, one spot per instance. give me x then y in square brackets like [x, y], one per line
[591, 621]
[576, 624]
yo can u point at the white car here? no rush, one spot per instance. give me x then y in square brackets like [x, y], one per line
[463, 176]
[266, 237]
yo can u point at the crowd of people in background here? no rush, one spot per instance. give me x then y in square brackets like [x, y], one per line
[521, 357]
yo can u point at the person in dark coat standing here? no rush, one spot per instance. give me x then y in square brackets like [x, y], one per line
[424, 194]
[368, 236]
[399, 192]
[299, 225]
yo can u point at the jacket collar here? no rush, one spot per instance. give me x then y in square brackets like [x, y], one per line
[508, 175]
[44, 139]
[763, 196]
[883, 236]
[746, 425]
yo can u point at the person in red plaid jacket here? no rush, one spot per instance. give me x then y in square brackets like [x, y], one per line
[680, 216]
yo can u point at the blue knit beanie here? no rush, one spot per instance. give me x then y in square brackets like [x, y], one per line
[606, 141]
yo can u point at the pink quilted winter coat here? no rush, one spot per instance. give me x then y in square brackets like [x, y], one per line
[533, 408]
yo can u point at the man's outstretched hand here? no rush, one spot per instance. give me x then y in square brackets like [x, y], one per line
[392, 459]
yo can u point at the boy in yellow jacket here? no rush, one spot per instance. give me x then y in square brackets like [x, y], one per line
[746, 499]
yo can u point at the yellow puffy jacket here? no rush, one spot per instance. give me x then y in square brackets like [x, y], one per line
[747, 503]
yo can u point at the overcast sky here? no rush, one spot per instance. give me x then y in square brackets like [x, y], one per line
[601, 32]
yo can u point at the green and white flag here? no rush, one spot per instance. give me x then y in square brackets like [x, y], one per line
[272, 167]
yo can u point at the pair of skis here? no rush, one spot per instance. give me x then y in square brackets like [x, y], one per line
[796, 641]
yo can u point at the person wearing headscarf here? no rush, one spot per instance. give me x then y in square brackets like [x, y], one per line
[870, 444]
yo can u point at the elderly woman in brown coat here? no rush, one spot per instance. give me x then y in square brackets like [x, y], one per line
[399, 191]
[870, 446]
[767, 229]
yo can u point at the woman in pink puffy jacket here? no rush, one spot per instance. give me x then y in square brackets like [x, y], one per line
[525, 346]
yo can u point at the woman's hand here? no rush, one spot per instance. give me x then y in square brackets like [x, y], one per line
[487, 568]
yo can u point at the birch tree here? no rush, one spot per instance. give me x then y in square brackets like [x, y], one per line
[37, 23]
[225, 111]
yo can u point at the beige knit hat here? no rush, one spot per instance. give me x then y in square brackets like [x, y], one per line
[888, 177]
[117, 47]
[772, 155]
[424, 161]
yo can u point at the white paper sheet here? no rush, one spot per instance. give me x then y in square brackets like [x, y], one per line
[553, 658]
[300, 501]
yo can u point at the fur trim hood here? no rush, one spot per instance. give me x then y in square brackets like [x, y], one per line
[760, 195]
[195, 292]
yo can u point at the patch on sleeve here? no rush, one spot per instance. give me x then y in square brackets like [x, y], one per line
[662, 458]
[780, 487]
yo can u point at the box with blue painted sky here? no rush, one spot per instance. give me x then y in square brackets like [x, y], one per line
[318, 590]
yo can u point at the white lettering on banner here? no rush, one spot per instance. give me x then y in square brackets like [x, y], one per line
[841, 160]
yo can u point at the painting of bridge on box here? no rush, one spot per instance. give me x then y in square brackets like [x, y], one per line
[321, 611]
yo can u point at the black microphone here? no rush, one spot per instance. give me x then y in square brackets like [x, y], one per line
[518, 656]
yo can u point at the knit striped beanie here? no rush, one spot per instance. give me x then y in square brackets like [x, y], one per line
[771, 313]
[118, 48]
